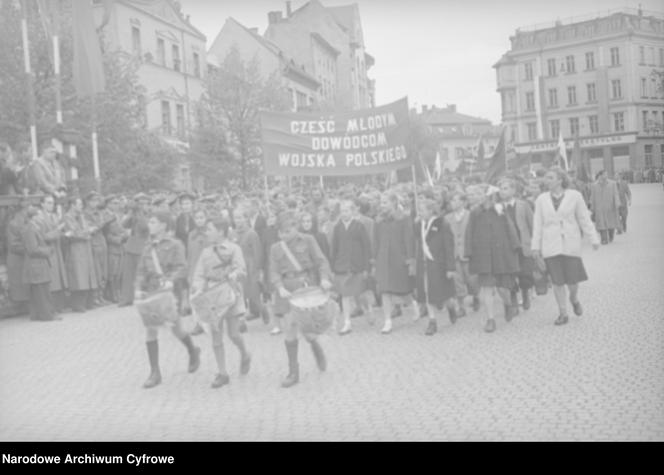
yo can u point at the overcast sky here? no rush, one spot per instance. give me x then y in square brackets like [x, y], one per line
[433, 51]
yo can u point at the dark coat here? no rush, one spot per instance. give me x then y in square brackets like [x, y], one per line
[115, 238]
[440, 241]
[184, 224]
[79, 262]
[36, 269]
[98, 221]
[19, 291]
[394, 252]
[48, 224]
[138, 223]
[491, 243]
[351, 248]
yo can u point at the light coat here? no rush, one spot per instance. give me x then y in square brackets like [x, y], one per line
[558, 232]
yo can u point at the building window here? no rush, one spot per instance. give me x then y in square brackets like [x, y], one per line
[661, 56]
[554, 126]
[648, 155]
[592, 95]
[642, 55]
[176, 57]
[569, 64]
[166, 117]
[553, 97]
[619, 122]
[661, 154]
[529, 71]
[197, 65]
[574, 126]
[530, 101]
[653, 88]
[136, 40]
[551, 65]
[593, 124]
[571, 95]
[179, 118]
[644, 117]
[590, 61]
[161, 52]
[532, 131]
[301, 100]
[651, 56]
[616, 90]
[644, 87]
[615, 56]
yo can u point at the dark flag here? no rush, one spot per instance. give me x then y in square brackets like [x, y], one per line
[498, 163]
[581, 163]
[88, 64]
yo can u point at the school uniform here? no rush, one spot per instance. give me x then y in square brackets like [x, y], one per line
[435, 240]
[350, 254]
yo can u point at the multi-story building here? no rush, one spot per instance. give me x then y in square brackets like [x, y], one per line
[590, 78]
[329, 43]
[304, 89]
[173, 64]
[458, 135]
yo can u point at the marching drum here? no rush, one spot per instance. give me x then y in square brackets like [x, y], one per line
[313, 309]
[213, 304]
[158, 308]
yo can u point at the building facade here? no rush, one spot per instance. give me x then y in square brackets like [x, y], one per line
[329, 43]
[172, 65]
[303, 88]
[588, 78]
[458, 135]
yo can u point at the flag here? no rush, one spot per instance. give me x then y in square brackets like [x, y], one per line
[428, 174]
[438, 168]
[562, 152]
[581, 163]
[498, 163]
[480, 151]
[88, 65]
[575, 159]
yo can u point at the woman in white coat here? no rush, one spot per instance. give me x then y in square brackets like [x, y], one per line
[561, 219]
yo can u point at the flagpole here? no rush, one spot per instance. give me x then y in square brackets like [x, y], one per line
[267, 192]
[95, 147]
[32, 112]
[56, 61]
[412, 168]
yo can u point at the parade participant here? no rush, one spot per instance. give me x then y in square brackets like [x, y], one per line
[522, 217]
[81, 272]
[365, 302]
[37, 270]
[222, 262]
[625, 195]
[491, 245]
[307, 226]
[162, 265]
[257, 221]
[184, 223]
[137, 222]
[19, 291]
[604, 204]
[295, 262]
[271, 236]
[252, 251]
[196, 242]
[97, 222]
[50, 224]
[561, 218]
[350, 254]
[116, 236]
[394, 256]
[435, 240]
[465, 283]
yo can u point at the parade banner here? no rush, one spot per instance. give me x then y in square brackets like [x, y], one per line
[361, 142]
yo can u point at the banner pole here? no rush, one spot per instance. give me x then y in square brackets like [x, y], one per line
[412, 168]
[267, 192]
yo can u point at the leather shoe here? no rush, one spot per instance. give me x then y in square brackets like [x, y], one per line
[153, 380]
[245, 365]
[561, 320]
[432, 328]
[490, 326]
[195, 360]
[387, 328]
[510, 312]
[578, 309]
[476, 304]
[220, 380]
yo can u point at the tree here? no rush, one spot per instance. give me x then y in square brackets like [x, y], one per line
[131, 158]
[234, 95]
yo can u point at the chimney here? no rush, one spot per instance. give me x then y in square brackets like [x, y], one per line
[274, 17]
[451, 107]
[425, 108]
[288, 9]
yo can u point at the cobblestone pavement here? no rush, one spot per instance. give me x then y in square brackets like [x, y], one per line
[601, 377]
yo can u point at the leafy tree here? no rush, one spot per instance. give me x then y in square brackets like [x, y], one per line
[230, 133]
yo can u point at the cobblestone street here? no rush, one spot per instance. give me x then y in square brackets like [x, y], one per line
[601, 377]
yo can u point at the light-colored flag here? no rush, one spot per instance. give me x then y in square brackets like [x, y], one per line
[562, 151]
[438, 167]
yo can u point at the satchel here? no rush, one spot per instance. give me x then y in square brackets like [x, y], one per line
[213, 305]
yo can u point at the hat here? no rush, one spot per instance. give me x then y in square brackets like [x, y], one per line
[110, 198]
[286, 218]
[158, 200]
[91, 195]
[141, 196]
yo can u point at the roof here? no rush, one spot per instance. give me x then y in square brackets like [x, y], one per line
[151, 7]
[345, 16]
[449, 117]
[327, 45]
[504, 59]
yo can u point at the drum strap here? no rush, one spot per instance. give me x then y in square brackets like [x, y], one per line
[291, 257]
[155, 259]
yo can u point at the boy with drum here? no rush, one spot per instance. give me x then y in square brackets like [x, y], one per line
[295, 262]
[163, 266]
[222, 263]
